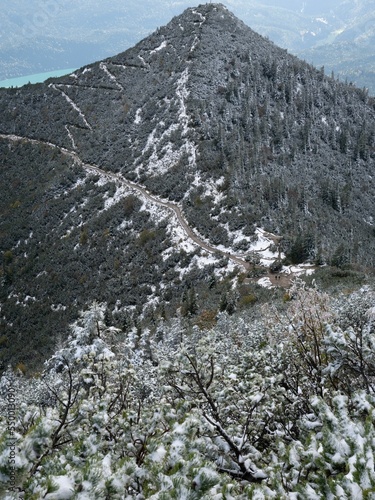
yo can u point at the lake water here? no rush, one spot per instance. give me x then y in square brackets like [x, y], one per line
[39, 77]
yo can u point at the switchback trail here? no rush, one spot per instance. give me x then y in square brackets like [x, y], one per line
[118, 178]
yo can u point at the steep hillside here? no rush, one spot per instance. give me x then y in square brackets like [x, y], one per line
[204, 121]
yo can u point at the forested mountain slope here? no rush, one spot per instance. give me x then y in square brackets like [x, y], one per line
[204, 113]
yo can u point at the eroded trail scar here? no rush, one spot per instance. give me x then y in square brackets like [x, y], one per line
[140, 189]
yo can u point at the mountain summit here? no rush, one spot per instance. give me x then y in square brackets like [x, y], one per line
[119, 178]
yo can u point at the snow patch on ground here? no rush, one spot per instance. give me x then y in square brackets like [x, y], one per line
[162, 159]
[265, 282]
[263, 242]
[260, 245]
[159, 163]
[212, 189]
[71, 138]
[157, 212]
[202, 17]
[22, 302]
[111, 76]
[195, 43]
[161, 47]
[182, 93]
[203, 260]
[301, 269]
[151, 142]
[179, 240]
[125, 225]
[58, 307]
[138, 118]
[121, 192]
[292, 271]
[142, 60]
[79, 182]
[369, 220]
[72, 103]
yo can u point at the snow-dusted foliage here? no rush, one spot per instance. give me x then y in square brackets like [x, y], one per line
[276, 408]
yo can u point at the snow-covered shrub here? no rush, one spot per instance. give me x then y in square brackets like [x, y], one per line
[276, 407]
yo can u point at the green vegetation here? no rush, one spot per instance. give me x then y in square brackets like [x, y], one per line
[280, 406]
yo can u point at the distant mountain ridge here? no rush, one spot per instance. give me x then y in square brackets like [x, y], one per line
[204, 113]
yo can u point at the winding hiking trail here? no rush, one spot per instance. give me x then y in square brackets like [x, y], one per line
[140, 189]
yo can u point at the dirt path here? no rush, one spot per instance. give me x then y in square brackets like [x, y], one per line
[141, 190]
[166, 204]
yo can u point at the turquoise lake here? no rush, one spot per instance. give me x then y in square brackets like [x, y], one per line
[39, 77]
